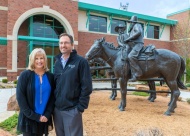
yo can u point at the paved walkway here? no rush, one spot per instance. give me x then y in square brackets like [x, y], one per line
[5, 94]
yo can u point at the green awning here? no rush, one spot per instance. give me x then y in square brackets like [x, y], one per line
[3, 41]
[41, 39]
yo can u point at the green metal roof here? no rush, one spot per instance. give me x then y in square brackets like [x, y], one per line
[3, 41]
[123, 14]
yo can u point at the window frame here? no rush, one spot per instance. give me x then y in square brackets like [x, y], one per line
[97, 23]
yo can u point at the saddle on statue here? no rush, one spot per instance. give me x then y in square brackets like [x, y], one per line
[147, 53]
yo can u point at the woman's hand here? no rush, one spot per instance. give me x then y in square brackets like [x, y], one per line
[43, 119]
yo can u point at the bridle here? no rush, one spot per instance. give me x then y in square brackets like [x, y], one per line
[100, 49]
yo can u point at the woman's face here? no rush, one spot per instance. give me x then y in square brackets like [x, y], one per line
[39, 61]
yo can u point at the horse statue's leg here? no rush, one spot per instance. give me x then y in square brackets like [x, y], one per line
[114, 85]
[152, 87]
[123, 90]
[175, 94]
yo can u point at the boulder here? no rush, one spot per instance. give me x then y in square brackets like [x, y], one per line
[12, 104]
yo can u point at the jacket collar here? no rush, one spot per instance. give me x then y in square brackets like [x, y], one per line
[72, 54]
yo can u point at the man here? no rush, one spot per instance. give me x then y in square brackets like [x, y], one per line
[136, 37]
[120, 39]
[73, 88]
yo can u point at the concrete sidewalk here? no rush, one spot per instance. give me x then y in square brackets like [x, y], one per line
[5, 94]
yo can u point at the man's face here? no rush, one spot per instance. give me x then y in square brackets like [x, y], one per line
[65, 45]
[120, 31]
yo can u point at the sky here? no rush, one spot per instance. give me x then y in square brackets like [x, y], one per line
[156, 8]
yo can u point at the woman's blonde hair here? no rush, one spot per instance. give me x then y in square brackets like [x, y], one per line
[32, 56]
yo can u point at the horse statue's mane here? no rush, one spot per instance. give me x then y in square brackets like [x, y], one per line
[110, 45]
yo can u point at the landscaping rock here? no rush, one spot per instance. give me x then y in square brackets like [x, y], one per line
[12, 104]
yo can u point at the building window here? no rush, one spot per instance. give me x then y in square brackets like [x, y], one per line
[46, 26]
[153, 32]
[98, 24]
[142, 28]
[116, 22]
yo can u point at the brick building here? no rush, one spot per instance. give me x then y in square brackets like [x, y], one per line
[28, 24]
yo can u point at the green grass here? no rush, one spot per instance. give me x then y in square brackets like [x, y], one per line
[140, 93]
[10, 124]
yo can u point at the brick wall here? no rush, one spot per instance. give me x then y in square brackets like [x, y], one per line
[4, 3]
[182, 21]
[3, 56]
[87, 39]
[3, 23]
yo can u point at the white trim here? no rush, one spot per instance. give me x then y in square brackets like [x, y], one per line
[3, 8]
[14, 55]
[21, 68]
[76, 43]
[10, 37]
[184, 39]
[46, 7]
[3, 68]
[11, 70]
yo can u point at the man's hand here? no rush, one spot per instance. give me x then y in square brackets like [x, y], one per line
[127, 40]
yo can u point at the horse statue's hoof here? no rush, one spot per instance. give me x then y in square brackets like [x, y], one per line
[121, 109]
[113, 98]
[152, 99]
[167, 113]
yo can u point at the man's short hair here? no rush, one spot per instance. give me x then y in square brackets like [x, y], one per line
[70, 37]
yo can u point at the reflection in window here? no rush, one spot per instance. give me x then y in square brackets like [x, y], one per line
[116, 22]
[46, 26]
[98, 24]
[153, 32]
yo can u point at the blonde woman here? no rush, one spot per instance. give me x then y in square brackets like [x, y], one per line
[35, 96]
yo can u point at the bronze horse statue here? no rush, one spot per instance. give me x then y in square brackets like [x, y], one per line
[167, 65]
[110, 73]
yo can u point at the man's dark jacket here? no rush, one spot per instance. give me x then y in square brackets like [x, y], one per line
[73, 83]
[25, 94]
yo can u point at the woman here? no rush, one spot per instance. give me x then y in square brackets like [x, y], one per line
[35, 96]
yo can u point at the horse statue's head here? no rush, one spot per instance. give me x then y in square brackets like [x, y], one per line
[95, 50]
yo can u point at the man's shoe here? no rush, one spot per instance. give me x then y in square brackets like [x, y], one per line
[133, 79]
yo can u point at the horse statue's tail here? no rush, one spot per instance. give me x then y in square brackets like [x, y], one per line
[181, 72]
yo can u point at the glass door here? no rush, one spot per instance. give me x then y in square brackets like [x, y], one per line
[50, 63]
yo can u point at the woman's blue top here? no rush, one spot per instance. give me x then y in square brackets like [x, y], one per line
[42, 93]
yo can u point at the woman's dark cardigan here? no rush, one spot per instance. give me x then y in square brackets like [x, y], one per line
[28, 120]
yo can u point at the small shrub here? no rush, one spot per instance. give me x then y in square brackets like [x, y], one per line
[15, 82]
[188, 100]
[140, 93]
[187, 85]
[157, 84]
[5, 80]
